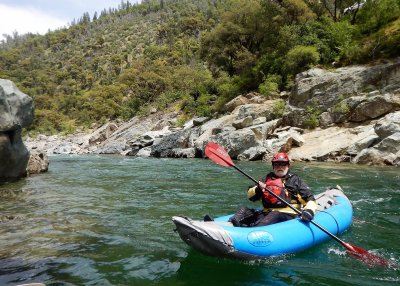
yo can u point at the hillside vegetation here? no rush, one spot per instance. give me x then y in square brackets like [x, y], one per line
[190, 56]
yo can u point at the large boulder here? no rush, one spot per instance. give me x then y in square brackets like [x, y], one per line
[349, 94]
[16, 112]
[325, 144]
[388, 125]
[386, 147]
[326, 88]
[169, 146]
[374, 107]
[237, 142]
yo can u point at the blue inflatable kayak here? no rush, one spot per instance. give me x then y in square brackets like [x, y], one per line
[221, 238]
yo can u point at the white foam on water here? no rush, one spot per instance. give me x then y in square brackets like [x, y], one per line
[336, 251]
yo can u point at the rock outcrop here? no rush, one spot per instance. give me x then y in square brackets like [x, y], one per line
[16, 112]
[349, 94]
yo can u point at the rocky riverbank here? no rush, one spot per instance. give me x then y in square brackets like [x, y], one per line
[350, 114]
[356, 109]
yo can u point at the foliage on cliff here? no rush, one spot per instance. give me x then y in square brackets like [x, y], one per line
[189, 55]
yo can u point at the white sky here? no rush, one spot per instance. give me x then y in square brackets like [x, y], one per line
[38, 16]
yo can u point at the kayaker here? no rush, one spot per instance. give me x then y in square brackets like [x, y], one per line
[287, 186]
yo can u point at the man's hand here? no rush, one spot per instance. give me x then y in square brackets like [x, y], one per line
[307, 215]
[262, 185]
[256, 192]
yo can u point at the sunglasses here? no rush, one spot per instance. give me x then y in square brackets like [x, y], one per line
[280, 164]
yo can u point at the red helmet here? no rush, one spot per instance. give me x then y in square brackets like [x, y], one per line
[280, 157]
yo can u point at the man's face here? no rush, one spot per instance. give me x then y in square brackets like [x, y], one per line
[280, 168]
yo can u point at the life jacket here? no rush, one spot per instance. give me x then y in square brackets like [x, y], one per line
[277, 186]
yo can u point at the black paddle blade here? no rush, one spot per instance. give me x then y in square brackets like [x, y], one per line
[367, 257]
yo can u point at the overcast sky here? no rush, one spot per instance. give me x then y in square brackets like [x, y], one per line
[38, 16]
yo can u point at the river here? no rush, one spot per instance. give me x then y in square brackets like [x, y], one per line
[106, 220]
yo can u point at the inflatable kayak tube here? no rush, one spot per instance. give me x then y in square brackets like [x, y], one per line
[220, 238]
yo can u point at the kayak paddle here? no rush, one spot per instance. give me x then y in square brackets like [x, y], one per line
[218, 155]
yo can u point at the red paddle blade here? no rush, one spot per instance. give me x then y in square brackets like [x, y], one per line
[218, 154]
[367, 257]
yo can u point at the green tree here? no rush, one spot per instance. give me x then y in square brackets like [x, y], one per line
[240, 34]
[376, 14]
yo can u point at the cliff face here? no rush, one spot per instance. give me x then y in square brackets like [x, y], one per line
[353, 94]
[16, 112]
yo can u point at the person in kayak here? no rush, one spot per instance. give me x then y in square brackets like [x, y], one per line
[288, 186]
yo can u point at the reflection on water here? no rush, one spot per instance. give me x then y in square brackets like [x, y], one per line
[106, 220]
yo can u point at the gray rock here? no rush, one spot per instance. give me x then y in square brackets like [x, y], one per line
[16, 112]
[284, 139]
[260, 120]
[318, 91]
[144, 152]
[13, 154]
[388, 125]
[164, 147]
[389, 144]
[257, 110]
[243, 122]
[114, 147]
[324, 144]
[396, 160]
[364, 143]
[294, 116]
[103, 133]
[236, 142]
[234, 103]
[183, 153]
[263, 130]
[16, 108]
[143, 141]
[218, 130]
[326, 88]
[67, 148]
[38, 162]
[374, 107]
[200, 121]
[369, 156]
[325, 119]
[252, 154]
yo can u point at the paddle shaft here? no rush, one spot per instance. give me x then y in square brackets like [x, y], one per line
[293, 208]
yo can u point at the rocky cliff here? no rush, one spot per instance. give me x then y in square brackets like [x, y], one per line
[16, 112]
[349, 114]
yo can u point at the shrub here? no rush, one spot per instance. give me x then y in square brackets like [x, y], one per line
[181, 119]
[68, 127]
[203, 105]
[301, 58]
[341, 107]
[168, 97]
[48, 121]
[270, 86]
[279, 108]
[312, 118]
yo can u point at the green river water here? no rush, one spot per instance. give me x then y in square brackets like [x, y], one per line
[106, 220]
